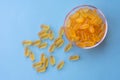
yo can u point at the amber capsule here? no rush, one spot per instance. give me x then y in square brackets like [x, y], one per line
[74, 57]
[59, 43]
[57, 39]
[41, 69]
[45, 27]
[84, 26]
[52, 48]
[52, 60]
[46, 62]
[41, 33]
[51, 35]
[26, 53]
[91, 29]
[32, 56]
[27, 42]
[43, 45]
[44, 36]
[61, 31]
[68, 47]
[36, 43]
[60, 65]
[42, 58]
[37, 64]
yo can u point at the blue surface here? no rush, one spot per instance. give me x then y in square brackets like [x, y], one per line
[20, 20]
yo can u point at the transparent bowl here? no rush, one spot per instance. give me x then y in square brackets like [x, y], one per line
[100, 14]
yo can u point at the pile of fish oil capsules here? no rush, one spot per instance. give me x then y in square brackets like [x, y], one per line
[85, 27]
[43, 63]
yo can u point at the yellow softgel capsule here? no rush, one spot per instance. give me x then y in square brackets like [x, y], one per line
[32, 56]
[37, 64]
[91, 29]
[46, 62]
[74, 57]
[44, 36]
[42, 58]
[59, 43]
[60, 65]
[52, 48]
[61, 31]
[84, 26]
[51, 35]
[36, 43]
[27, 42]
[43, 45]
[41, 69]
[68, 47]
[26, 53]
[52, 60]
[45, 27]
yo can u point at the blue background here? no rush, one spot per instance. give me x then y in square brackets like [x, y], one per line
[20, 20]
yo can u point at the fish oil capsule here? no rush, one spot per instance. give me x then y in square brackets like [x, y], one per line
[44, 36]
[43, 45]
[61, 32]
[60, 65]
[60, 43]
[27, 42]
[41, 69]
[36, 43]
[74, 57]
[46, 62]
[37, 64]
[84, 26]
[51, 35]
[32, 56]
[52, 48]
[45, 27]
[41, 33]
[68, 47]
[42, 58]
[52, 60]
[26, 53]
[91, 29]
[57, 39]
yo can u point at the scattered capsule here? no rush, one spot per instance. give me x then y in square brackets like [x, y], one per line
[51, 35]
[37, 64]
[68, 47]
[61, 32]
[32, 56]
[44, 36]
[52, 48]
[60, 65]
[36, 43]
[52, 60]
[42, 58]
[46, 62]
[27, 42]
[45, 27]
[41, 69]
[75, 57]
[26, 53]
[57, 39]
[59, 43]
[41, 33]
[43, 45]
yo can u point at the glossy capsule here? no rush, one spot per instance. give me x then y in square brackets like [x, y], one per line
[60, 65]
[27, 42]
[32, 56]
[68, 47]
[74, 57]
[45, 27]
[41, 69]
[52, 60]
[26, 53]
[43, 45]
[37, 64]
[36, 43]
[52, 48]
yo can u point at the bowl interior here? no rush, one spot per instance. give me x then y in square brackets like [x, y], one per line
[100, 14]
